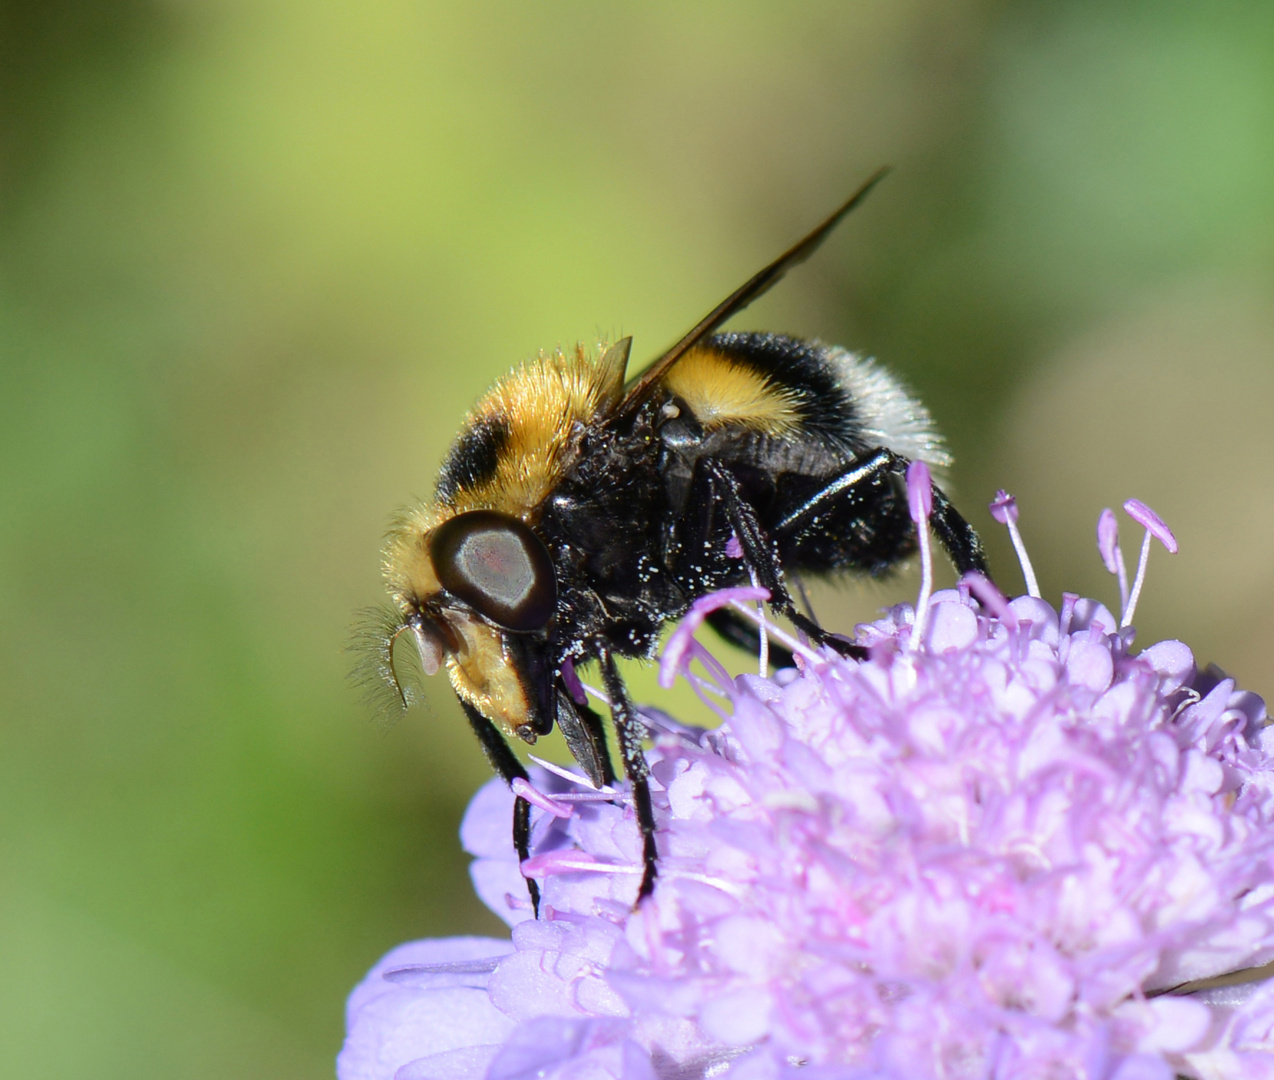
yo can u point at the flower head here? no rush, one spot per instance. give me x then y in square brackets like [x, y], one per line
[987, 850]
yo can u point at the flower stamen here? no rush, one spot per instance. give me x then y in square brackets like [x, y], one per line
[763, 651]
[1154, 526]
[990, 597]
[1004, 509]
[920, 504]
[573, 861]
[1111, 555]
[570, 776]
[525, 790]
[781, 636]
[680, 642]
[600, 695]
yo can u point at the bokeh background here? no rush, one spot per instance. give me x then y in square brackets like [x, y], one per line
[257, 257]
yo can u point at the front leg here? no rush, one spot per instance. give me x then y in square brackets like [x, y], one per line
[631, 731]
[505, 762]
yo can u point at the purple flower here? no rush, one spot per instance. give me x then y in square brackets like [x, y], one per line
[997, 848]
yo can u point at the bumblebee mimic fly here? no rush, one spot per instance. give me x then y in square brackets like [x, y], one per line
[578, 512]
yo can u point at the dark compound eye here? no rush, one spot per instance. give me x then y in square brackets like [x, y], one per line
[497, 565]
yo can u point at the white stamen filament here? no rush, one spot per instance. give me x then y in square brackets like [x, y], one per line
[1131, 608]
[566, 865]
[570, 776]
[1028, 571]
[778, 635]
[524, 789]
[926, 584]
[763, 654]
[592, 690]
[730, 888]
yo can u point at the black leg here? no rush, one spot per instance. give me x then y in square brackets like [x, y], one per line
[631, 731]
[841, 487]
[522, 844]
[505, 762]
[737, 630]
[761, 555]
[956, 535]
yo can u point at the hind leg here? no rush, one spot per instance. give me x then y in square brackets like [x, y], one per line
[956, 535]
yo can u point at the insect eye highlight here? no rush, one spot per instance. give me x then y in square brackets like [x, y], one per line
[497, 565]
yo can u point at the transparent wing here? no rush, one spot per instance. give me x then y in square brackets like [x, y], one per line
[639, 388]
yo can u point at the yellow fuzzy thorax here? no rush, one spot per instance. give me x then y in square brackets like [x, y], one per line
[543, 404]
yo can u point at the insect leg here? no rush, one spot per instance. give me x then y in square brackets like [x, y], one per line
[956, 535]
[762, 557]
[864, 472]
[631, 731]
[505, 762]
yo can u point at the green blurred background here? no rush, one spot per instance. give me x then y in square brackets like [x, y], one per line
[257, 257]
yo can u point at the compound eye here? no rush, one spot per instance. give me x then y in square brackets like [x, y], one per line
[498, 566]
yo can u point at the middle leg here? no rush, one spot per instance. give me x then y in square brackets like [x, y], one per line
[762, 557]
